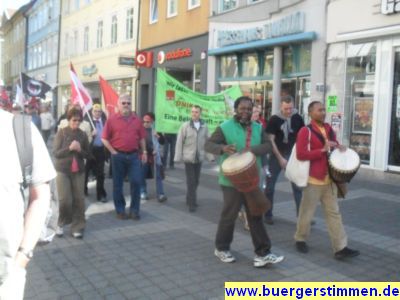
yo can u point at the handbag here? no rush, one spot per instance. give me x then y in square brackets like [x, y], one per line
[297, 171]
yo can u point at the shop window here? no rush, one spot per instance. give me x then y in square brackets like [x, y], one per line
[153, 11]
[225, 5]
[114, 30]
[197, 77]
[359, 104]
[228, 66]
[250, 65]
[193, 4]
[288, 60]
[172, 8]
[268, 63]
[304, 55]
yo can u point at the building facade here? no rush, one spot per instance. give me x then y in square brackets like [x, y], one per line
[269, 48]
[175, 32]
[13, 56]
[98, 38]
[363, 78]
[43, 20]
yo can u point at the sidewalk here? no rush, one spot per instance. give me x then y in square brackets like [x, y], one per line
[169, 253]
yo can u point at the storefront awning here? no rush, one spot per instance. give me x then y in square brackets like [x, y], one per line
[283, 40]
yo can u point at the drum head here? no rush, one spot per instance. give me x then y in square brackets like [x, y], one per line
[344, 161]
[237, 162]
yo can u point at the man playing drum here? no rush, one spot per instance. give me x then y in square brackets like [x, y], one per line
[231, 137]
[314, 142]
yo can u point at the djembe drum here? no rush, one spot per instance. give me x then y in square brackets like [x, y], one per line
[343, 165]
[241, 169]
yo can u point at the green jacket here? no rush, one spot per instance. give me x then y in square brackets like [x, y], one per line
[235, 133]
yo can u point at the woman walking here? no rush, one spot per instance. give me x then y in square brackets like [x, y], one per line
[71, 147]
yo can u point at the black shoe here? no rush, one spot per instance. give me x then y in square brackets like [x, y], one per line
[192, 209]
[346, 252]
[302, 247]
[269, 220]
[162, 198]
[86, 191]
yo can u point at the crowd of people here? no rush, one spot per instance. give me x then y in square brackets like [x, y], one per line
[136, 152]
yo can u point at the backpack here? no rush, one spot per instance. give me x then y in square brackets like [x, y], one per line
[23, 138]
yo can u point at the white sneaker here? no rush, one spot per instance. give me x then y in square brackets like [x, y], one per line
[77, 235]
[224, 256]
[261, 261]
[143, 196]
[59, 231]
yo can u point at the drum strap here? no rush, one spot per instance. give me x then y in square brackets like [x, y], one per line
[319, 135]
[248, 137]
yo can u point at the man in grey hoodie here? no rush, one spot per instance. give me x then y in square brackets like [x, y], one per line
[282, 129]
[190, 142]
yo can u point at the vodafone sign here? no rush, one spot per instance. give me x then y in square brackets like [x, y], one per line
[174, 54]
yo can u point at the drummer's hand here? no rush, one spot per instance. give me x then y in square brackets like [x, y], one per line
[326, 148]
[332, 144]
[341, 148]
[230, 149]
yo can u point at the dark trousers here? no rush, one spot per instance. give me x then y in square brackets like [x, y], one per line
[275, 170]
[192, 182]
[233, 200]
[169, 145]
[46, 134]
[97, 166]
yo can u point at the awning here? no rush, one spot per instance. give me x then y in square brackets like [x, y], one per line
[283, 40]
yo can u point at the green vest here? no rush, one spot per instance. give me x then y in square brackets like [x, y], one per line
[235, 133]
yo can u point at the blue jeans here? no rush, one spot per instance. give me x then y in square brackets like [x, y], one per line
[123, 165]
[275, 169]
[159, 184]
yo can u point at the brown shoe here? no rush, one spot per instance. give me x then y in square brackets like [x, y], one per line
[122, 216]
[134, 216]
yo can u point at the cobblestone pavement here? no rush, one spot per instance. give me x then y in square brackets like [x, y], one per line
[169, 253]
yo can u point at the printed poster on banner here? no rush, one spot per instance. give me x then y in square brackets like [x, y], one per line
[174, 102]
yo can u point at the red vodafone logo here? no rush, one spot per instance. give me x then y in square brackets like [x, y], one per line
[179, 53]
[141, 58]
[161, 57]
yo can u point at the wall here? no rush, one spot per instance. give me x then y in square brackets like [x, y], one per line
[187, 23]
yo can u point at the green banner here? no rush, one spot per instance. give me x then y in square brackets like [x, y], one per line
[174, 102]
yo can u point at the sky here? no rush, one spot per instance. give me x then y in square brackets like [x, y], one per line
[11, 4]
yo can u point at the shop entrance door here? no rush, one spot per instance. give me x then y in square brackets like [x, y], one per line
[394, 144]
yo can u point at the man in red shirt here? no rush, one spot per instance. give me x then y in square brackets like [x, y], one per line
[124, 136]
[320, 187]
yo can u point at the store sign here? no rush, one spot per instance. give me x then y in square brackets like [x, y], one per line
[332, 103]
[291, 24]
[126, 61]
[89, 71]
[390, 7]
[174, 54]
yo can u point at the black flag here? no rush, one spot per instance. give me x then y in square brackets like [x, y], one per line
[34, 88]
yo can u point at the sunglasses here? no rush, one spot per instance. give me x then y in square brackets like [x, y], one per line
[76, 120]
[146, 122]
[125, 103]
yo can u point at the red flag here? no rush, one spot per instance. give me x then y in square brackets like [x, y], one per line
[79, 95]
[110, 96]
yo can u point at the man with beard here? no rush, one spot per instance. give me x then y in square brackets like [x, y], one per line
[282, 129]
[124, 136]
[231, 137]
